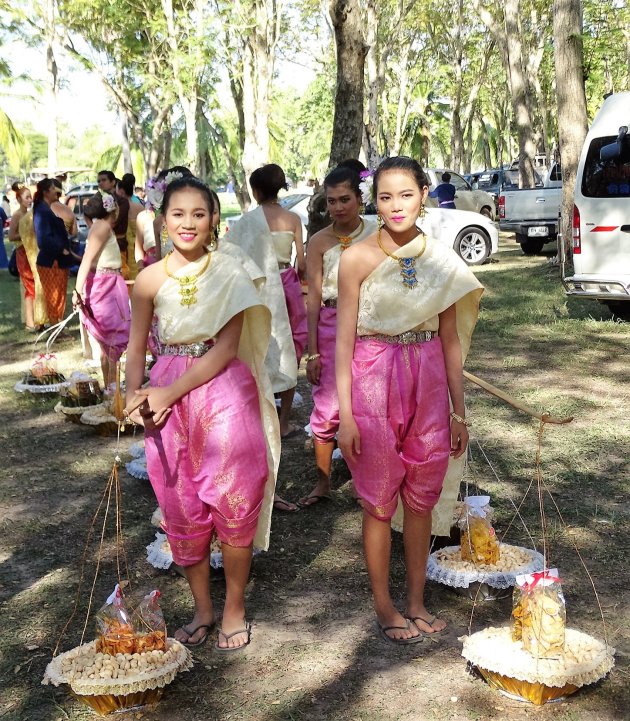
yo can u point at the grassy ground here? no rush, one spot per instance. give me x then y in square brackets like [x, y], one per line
[315, 654]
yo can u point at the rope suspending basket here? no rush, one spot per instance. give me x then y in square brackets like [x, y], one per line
[537, 658]
[132, 660]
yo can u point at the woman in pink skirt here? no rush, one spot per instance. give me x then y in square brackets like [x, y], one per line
[343, 200]
[406, 311]
[211, 428]
[101, 292]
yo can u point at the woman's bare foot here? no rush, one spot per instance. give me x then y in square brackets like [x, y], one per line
[196, 632]
[235, 631]
[425, 621]
[398, 627]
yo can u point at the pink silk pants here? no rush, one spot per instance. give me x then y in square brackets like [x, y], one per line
[208, 463]
[400, 404]
[296, 309]
[325, 413]
[107, 298]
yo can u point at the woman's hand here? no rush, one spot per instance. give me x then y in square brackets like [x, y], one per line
[349, 439]
[313, 371]
[459, 438]
[155, 408]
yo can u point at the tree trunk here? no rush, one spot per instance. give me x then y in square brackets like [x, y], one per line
[572, 114]
[127, 161]
[522, 117]
[372, 154]
[351, 52]
[53, 86]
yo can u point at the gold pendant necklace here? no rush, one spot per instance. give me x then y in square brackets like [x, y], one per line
[407, 265]
[187, 283]
[346, 240]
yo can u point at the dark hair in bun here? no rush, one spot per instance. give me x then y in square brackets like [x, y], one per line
[94, 208]
[268, 181]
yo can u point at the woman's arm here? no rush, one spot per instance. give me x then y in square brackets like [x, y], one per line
[452, 350]
[314, 274]
[144, 290]
[14, 233]
[347, 312]
[207, 367]
[97, 237]
[157, 232]
[299, 246]
[138, 248]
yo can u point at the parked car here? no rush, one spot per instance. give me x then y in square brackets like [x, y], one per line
[83, 188]
[496, 180]
[531, 214]
[601, 210]
[476, 201]
[473, 236]
[75, 200]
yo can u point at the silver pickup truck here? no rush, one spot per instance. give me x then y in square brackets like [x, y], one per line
[532, 213]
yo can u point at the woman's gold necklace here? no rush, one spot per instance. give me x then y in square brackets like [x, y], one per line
[346, 240]
[187, 283]
[407, 265]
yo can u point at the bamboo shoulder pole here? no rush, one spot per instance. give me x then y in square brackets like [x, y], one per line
[498, 393]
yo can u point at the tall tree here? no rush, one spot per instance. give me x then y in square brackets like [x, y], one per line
[351, 51]
[251, 30]
[572, 117]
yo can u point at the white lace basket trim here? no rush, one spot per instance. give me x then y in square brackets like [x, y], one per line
[136, 450]
[181, 660]
[159, 552]
[585, 660]
[51, 388]
[465, 572]
[138, 469]
[72, 410]
[97, 415]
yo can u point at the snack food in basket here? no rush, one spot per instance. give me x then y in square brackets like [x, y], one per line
[539, 614]
[150, 625]
[478, 540]
[114, 627]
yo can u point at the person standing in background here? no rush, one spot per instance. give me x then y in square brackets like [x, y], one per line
[54, 257]
[107, 183]
[445, 193]
[124, 192]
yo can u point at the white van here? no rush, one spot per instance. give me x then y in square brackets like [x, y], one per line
[601, 210]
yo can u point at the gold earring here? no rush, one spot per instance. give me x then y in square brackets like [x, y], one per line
[379, 220]
[422, 212]
[213, 245]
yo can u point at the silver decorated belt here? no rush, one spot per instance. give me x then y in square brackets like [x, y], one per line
[108, 270]
[284, 266]
[192, 350]
[330, 303]
[410, 337]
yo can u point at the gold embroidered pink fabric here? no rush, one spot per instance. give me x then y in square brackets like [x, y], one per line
[387, 307]
[225, 290]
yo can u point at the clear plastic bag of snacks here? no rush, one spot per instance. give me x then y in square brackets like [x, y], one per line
[114, 626]
[478, 540]
[539, 613]
[149, 624]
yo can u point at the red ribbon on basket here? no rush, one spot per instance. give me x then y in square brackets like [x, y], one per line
[541, 576]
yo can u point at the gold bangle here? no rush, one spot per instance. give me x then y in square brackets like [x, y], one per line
[315, 356]
[459, 419]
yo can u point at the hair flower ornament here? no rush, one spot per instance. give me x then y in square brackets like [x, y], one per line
[109, 204]
[366, 186]
[156, 187]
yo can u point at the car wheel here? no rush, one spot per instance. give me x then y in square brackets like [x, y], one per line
[530, 246]
[486, 212]
[472, 245]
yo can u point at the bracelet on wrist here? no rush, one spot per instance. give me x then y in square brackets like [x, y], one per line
[313, 357]
[459, 419]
